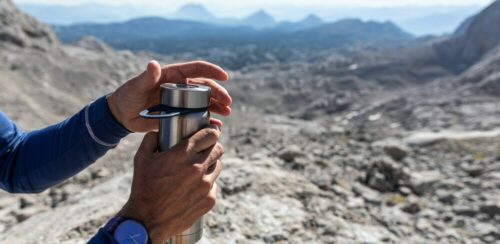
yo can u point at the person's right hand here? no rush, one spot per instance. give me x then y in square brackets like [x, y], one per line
[173, 189]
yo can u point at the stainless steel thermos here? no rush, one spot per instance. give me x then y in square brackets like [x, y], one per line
[182, 112]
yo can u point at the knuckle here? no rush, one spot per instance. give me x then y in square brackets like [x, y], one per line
[190, 145]
[178, 152]
[211, 201]
[184, 144]
[196, 170]
[220, 148]
[206, 186]
[137, 157]
[212, 133]
[216, 152]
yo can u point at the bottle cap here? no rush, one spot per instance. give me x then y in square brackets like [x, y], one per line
[185, 95]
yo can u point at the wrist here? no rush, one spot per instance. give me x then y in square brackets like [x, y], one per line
[158, 233]
[115, 109]
[126, 230]
[101, 125]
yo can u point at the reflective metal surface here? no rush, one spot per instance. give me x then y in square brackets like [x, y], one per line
[173, 130]
[185, 96]
[191, 235]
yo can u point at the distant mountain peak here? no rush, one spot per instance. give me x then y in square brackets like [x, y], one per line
[261, 12]
[260, 19]
[194, 12]
[312, 18]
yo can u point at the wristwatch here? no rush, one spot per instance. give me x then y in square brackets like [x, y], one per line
[127, 230]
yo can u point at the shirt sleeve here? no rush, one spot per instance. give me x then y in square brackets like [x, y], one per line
[34, 161]
[102, 237]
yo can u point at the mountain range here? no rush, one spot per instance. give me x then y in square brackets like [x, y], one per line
[258, 34]
[417, 20]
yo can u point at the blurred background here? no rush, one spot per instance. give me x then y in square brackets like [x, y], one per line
[353, 121]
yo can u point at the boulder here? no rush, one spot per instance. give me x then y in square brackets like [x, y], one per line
[422, 182]
[291, 152]
[385, 176]
[491, 208]
[396, 152]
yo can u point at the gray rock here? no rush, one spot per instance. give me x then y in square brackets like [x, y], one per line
[492, 208]
[355, 202]
[405, 191]
[100, 173]
[366, 193]
[396, 152]
[474, 40]
[411, 205]
[22, 30]
[385, 176]
[445, 197]
[23, 214]
[27, 201]
[465, 211]
[93, 44]
[474, 171]
[422, 182]
[7, 202]
[425, 226]
[290, 153]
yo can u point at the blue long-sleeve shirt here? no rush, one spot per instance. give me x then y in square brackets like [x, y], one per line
[31, 162]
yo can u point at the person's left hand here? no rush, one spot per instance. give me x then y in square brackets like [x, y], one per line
[143, 91]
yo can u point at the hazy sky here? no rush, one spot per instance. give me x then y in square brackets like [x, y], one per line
[444, 15]
[281, 9]
[263, 3]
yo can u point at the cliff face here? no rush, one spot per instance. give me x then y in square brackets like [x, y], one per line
[22, 30]
[474, 38]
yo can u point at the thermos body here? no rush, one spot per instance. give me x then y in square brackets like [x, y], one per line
[194, 100]
[175, 129]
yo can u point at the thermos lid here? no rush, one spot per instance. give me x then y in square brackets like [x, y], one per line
[185, 95]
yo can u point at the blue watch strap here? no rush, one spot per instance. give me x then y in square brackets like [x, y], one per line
[113, 223]
[127, 230]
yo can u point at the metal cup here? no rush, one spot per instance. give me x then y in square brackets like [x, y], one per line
[183, 112]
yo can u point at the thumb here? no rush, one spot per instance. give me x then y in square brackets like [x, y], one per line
[150, 77]
[154, 71]
[148, 146]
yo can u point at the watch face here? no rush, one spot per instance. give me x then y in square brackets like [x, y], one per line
[131, 232]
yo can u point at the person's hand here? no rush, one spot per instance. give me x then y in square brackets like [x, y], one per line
[173, 189]
[143, 91]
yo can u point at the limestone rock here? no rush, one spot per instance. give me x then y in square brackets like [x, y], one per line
[385, 175]
[290, 153]
[395, 152]
[22, 30]
[422, 182]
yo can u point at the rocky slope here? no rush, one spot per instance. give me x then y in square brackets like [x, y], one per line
[475, 38]
[331, 151]
[22, 30]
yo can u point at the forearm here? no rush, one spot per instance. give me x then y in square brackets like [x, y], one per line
[43, 158]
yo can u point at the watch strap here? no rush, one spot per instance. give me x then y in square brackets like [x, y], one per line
[113, 223]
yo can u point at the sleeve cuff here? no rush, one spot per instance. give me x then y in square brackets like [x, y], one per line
[102, 237]
[102, 125]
